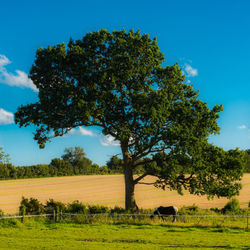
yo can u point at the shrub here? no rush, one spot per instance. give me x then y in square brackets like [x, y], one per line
[52, 205]
[77, 207]
[31, 206]
[216, 210]
[1, 213]
[117, 210]
[189, 209]
[104, 170]
[233, 206]
[96, 209]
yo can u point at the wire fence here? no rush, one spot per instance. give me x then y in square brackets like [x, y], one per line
[237, 221]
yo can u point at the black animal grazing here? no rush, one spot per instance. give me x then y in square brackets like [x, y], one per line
[165, 211]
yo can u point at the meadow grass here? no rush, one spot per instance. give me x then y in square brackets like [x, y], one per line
[45, 234]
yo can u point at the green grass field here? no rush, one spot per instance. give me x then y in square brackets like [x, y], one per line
[42, 234]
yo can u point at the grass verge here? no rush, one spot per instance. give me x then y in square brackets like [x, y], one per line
[42, 234]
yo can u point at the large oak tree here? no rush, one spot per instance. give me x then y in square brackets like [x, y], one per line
[117, 81]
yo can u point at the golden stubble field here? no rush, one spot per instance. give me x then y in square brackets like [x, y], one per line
[105, 190]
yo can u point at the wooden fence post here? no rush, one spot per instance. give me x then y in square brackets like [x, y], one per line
[23, 212]
[54, 215]
[247, 221]
[57, 213]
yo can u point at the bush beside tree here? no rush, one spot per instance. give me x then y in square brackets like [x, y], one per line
[233, 206]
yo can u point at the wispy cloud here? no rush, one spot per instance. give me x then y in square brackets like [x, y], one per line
[19, 79]
[242, 126]
[190, 71]
[81, 131]
[109, 141]
[4, 61]
[6, 117]
[104, 140]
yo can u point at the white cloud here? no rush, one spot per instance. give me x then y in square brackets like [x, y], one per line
[109, 141]
[4, 60]
[81, 131]
[6, 117]
[19, 79]
[242, 127]
[104, 140]
[84, 131]
[190, 71]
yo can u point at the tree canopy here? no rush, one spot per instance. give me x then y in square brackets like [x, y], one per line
[117, 81]
[247, 158]
[74, 155]
[115, 164]
[4, 158]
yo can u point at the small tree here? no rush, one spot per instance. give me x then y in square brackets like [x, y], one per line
[4, 165]
[74, 155]
[116, 81]
[247, 159]
[59, 167]
[115, 165]
[4, 158]
[77, 157]
[4, 171]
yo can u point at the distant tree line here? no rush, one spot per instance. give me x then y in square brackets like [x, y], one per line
[247, 158]
[72, 162]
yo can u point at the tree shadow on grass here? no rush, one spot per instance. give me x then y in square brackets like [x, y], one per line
[208, 247]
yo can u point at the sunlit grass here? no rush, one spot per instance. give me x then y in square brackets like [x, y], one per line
[42, 234]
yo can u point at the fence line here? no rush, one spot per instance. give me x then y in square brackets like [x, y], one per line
[117, 214]
[25, 216]
[57, 216]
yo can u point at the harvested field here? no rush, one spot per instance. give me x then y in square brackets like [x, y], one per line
[105, 190]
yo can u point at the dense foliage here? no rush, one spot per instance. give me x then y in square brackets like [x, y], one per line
[232, 207]
[57, 167]
[4, 158]
[247, 158]
[33, 206]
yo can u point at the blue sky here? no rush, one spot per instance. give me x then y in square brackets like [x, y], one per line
[209, 39]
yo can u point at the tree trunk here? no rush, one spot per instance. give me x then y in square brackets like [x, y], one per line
[130, 203]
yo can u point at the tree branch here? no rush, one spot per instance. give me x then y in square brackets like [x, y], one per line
[145, 183]
[142, 163]
[140, 178]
